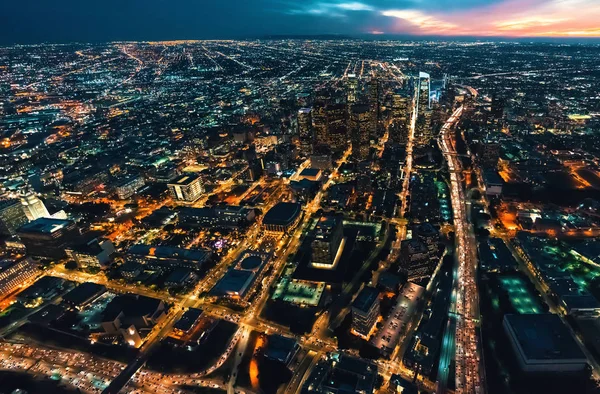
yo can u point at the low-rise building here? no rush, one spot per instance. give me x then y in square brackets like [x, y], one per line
[14, 274]
[542, 343]
[127, 187]
[186, 188]
[12, 216]
[228, 216]
[282, 218]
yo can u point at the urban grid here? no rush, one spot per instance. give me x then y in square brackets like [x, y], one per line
[300, 215]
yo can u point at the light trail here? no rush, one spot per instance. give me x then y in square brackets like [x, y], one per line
[466, 302]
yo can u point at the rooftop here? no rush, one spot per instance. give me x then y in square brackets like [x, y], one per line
[282, 213]
[543, 337]
[83, 293]
[185, 179]
[234, 282]
[189, 318]
[365, 299]
[169, 252]
[45, 225]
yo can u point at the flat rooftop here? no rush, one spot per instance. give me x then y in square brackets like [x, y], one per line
[188, 320]
[169, 252]
[310, 172]
[325, 226]
[387, 337]
[234, 282]
[184, 179]
[45, 225]
[543, 337]
[84, 293]
[365, 299]
[282, 214]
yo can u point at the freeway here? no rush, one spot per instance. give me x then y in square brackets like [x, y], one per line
[466, 303]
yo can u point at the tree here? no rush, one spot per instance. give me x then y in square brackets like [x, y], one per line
[71, 265]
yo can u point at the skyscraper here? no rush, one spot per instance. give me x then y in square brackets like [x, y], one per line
[365, 311]
[33, 207]
[328, 244]
[400, 126]
[319, 118]
[351, 86]
[359, 126]
[497, 108]
[423, 131]
[12, 216]
[305, 131]
[374, 104]
[337, 120]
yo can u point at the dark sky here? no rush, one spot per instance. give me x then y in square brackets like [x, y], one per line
[33, 21]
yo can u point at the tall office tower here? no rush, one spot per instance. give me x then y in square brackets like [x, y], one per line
[400, 126]
[374, 104]
[423, 131]
[328, 243]
[336, 115]
[337, 121]
[359, 127]
[185, 188]
[398, 131]
[305, 131]
[424, 90]
[338, 138]
[12, 216]
[46, 237]
[497, 109]
[365, 311]
[489, 153]
[34, 207]
[351, 87]
[400, 106]
[319, 119]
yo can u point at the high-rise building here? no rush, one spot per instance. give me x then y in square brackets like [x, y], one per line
[365, 311]
[33, 207]
[336, 115]
[338, 138]
[423, 130]
[489, 153]
[337, 120]
[400, 106]
[328, 242]
[45, 237]
[375, 106]
[14, 274]
[359, 126]
[424, 87]
[351, 86]
[185, 188]
[400, 125]
[12, 216]
[305, 131]
[319, 118]
[497, 108]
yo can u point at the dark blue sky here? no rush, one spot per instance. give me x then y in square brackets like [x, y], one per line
[105, 20]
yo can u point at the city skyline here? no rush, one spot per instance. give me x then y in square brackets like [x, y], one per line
[70, 21]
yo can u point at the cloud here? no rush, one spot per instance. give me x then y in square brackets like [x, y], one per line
[354, 6]
[526, 23]
[332, 9]
[427, 23]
